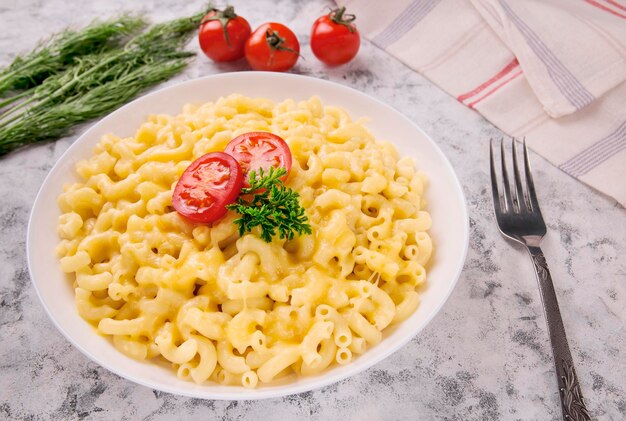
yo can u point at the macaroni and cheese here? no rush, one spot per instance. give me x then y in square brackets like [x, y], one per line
[235, 309]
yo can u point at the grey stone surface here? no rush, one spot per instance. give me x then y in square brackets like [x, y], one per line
[486, 356]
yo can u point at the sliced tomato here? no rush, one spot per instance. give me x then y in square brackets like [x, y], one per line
[256, 150]
[205, 188]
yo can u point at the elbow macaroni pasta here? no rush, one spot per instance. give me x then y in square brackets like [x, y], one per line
[231, 309]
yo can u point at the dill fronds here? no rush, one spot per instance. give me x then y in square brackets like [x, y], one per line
[61, 50]
[54, 122]
[96, 84]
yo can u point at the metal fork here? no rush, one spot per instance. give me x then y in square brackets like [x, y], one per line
[519, 218]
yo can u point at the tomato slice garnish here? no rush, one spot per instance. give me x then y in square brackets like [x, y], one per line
[256, 150]
[205, 188]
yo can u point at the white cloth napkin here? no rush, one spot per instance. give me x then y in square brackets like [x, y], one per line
[570, 55]
[552, 71]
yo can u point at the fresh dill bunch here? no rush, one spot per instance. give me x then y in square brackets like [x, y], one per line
[164, 41]
[92, 71]
[96, 84]
[62, 49]
[273, 207]
[176, 30]
[45, 123]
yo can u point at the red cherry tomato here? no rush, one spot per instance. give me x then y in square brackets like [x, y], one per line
[334, 38]
[222, 35]
[209, 184]
[272, 46]
[256, 150]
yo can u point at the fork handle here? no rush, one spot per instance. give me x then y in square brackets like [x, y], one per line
[572, 402]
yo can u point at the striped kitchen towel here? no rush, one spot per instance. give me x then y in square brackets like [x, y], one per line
[552, 71]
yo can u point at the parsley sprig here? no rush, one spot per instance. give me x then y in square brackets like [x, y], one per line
[273, 207]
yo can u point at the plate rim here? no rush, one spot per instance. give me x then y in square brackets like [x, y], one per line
[251, 394]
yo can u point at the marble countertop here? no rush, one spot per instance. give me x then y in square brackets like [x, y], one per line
[486, 356]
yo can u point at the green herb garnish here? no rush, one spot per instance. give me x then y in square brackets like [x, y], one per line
[95, 83]
[273, 207]
[62, 49]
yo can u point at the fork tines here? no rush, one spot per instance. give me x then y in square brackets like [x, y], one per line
[523, 198]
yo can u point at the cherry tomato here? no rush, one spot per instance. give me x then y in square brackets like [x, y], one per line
[209, 184]
[256, 150]
[334, 38]
[222, 34]
[272, 46]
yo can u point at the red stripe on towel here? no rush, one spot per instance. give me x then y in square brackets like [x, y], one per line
[495, 88]
[606, 9]
[616, 4]
[502, 73]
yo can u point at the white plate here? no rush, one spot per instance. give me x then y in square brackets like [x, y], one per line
[445, 203]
